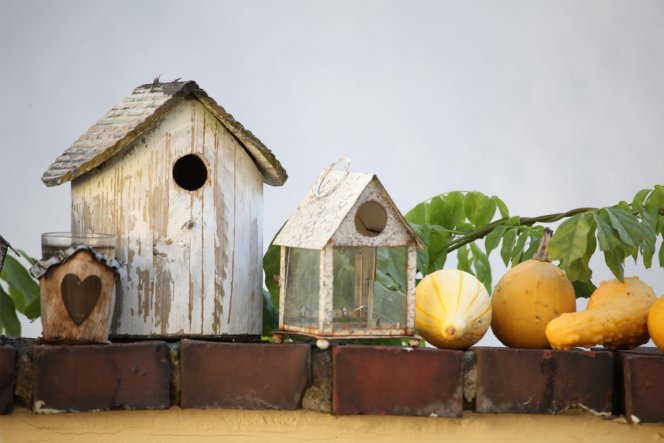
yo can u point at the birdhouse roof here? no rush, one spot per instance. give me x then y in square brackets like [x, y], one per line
[41, 267]
[137, 113]
[326, 214]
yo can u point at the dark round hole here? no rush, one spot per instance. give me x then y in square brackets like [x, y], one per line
[190, 172]
[370, 219]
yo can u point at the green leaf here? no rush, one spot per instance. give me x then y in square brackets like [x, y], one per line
[436, 212]
[462, 259]
[437, 247]
[485, 212]
[479, 209]
[661, 255]
[17, 298]
[578, 270]
[615, 261]
[502, 207]
[8, 319]
[570, 240]
[655, 199]
[33, 310]
[454, 208]
[648, 221]
[509, 238]
[607, 236]
[445, 210]
[270, 314]
[640, 197]
[272, 269]
[470, 204]
[22, 286]
[583, 289]
[517, 251]
[492, 240]
[482, 266]
[418, 214]
[627, 226]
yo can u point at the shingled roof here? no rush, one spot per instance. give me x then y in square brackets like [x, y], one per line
[136, 114]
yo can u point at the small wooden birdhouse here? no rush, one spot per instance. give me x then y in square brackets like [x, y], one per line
[332, 284]
[180, 183]
[77, 294]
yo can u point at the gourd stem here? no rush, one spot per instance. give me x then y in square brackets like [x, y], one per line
[542, 253]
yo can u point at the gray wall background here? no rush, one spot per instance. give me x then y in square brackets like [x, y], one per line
[550, 105]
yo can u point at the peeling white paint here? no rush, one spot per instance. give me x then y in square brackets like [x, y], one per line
[194, 257]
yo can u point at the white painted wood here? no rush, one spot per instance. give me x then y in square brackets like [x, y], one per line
[410, 296]
[325, 302]
[194, 257]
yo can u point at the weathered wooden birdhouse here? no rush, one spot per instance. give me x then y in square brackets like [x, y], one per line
[180, 184]
[332, 284]
[77, 293]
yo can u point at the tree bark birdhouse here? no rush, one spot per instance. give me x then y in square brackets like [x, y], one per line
[180, 183]
[77, 294]
[331, 283]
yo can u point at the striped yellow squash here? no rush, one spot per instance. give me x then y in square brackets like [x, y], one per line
[453, 309]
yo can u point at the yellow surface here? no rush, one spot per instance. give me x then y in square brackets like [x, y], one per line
[656, 322]
[195, 425]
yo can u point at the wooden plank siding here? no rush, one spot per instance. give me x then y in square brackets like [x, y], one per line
[194, 258]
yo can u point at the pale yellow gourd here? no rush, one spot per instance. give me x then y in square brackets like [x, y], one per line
[616, 317]
[453, 309]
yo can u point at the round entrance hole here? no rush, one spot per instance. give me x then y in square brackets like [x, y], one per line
[190, 172]
[370, 219]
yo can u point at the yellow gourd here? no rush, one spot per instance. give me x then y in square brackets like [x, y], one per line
[616, 317]
[453, 309]
[656, 322]
[528, 297]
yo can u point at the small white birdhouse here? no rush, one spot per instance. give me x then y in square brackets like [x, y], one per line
[335, 282]
[180, 183]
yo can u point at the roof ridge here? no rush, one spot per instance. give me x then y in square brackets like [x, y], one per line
[132, 116]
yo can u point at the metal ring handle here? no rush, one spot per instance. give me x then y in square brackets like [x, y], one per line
[329, 169]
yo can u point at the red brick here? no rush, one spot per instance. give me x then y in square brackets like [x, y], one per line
[397, 381]
[243, 375]
[7, 378]
[543, 381]
[93, 377]
[640, 384]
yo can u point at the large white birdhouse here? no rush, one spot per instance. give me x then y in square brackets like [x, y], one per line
[180, 184]
[347, 262]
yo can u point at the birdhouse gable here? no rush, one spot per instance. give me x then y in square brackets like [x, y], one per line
[346, 209]
[139, 112]
[373, 220]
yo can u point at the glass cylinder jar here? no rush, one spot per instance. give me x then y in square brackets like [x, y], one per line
[53, 242]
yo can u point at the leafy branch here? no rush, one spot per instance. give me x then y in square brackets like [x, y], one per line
[454, 221]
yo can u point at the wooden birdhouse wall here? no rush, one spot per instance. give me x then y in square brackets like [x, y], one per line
[194, 257]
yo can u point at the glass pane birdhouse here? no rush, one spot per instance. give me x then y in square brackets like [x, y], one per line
[347, 262]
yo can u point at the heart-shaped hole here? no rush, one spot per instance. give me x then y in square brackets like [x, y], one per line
[80, 297]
